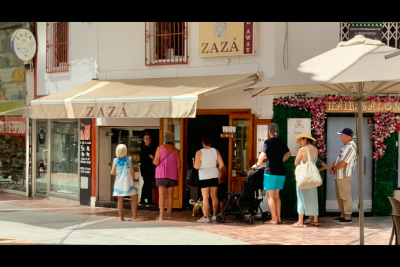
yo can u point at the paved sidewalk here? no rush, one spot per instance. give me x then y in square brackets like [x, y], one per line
[26, 220]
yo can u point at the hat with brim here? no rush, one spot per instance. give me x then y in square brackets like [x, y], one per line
[306, 135]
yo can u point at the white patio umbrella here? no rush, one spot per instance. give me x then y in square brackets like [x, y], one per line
[356, 68]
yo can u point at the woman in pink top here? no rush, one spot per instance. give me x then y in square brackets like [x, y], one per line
[167, 173]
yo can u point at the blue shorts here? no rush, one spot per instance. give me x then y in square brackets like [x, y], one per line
[272, 182]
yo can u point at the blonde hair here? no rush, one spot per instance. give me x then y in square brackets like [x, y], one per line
[169, 138]
[121, 151]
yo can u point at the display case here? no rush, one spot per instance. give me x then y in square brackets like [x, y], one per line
[239, 150]
[135, 145]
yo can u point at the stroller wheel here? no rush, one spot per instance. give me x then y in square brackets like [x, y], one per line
[266, 216]
[248, 219]
[251, 219]
[220, 218]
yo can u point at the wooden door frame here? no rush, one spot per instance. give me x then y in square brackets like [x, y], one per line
[251, 127]
[183, 151]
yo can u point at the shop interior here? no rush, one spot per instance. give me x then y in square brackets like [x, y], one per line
[12, 157]
[205, 124]
[132, 137]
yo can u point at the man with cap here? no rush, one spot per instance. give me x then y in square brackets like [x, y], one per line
[276, 153]
[342, 168]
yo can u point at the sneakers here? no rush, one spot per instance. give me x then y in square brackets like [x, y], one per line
[344, 221]
[337, 219]
[142, 202]
[213, 217]
[203, 220]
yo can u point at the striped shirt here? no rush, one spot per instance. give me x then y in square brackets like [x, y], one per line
[347, 154]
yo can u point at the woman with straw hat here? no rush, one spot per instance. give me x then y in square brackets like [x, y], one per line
[307, 199]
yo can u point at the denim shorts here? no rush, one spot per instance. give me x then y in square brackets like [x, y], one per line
[272, 182]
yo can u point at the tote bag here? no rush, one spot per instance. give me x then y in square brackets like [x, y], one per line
[307, 174]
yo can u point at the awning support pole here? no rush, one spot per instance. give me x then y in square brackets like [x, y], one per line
[360, 163]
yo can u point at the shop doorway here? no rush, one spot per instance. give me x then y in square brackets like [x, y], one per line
[110, 138]
[334, 145]
[211, 125]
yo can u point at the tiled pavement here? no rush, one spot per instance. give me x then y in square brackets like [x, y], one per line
[377, 230]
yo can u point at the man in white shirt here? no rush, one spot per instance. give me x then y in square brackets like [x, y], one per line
[343, 168]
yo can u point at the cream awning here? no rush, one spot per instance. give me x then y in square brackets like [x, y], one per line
[136, 98]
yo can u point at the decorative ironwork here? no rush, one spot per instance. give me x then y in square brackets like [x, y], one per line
[166, 43]
[390, 33]
[57, 47]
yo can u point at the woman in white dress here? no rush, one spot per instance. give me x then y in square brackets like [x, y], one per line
[307, 199]
[124, 181]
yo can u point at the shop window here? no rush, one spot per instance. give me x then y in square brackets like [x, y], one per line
[57, 47]
[166, 43]
[64, 176]
[12, 155]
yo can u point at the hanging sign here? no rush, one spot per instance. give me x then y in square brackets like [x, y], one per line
[367, 107]
[23, 44]
[295, 127]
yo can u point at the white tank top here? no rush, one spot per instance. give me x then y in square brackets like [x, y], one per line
[208, 165]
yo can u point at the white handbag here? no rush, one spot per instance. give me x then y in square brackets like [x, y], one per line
[307, 174]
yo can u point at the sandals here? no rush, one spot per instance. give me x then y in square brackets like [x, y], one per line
[167, 218]
[307, 221]
[297, 224]
[273, 223]
[315, 224]
[159, 219]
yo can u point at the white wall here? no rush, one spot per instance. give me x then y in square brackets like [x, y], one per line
[117, 51]
[82, 53]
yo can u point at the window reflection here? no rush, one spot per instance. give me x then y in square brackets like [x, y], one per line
[64, 157]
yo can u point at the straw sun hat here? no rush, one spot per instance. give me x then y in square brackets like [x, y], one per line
[306, 135]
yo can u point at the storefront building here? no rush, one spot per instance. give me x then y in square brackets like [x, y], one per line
[189, 89]
[17, 47]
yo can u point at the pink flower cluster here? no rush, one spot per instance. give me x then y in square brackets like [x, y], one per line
[384, 125]
[316, 105]
[383, 98]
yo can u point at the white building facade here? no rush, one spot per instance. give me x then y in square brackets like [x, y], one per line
[71, 156]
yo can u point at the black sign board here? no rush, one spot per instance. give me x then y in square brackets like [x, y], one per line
[30, 159]
[85, 150]
[369, 31]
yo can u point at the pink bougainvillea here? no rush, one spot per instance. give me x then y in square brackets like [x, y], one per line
[384, 123]
[316, 105]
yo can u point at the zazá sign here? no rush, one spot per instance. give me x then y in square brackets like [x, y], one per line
[226, 38]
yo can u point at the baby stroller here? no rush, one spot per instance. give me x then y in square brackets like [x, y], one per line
[246, 204]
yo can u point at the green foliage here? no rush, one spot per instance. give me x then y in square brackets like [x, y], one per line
[288, 194]
[385, 176]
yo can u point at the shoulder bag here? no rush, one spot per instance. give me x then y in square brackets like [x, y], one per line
[307, 174]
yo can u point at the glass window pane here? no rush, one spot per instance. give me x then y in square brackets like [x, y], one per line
[64, 157]
[42, 175]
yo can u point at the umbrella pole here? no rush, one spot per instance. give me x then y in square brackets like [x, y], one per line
[360, 170]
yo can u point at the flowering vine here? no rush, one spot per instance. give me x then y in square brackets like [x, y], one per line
[384, 123]
[317, 108]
